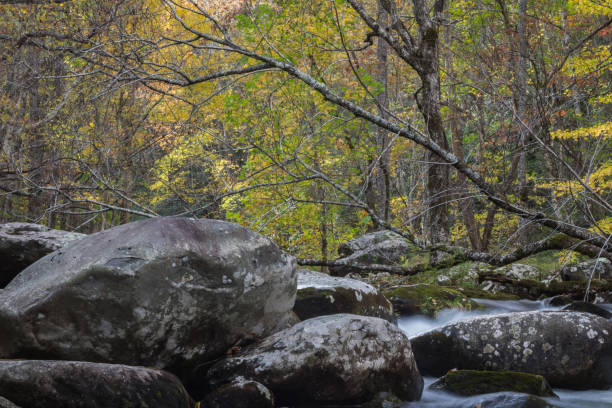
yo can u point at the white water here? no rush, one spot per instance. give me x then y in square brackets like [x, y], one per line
[415, 325]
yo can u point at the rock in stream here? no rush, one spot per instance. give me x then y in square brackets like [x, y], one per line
[570, 349]
[336, 359]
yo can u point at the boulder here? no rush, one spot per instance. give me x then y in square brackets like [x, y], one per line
[370, 240]
[570, 349]
[519, 271]
[4, 403]
[381, 247]
[240, 393]
[588, 308]
[600, 268]
[473, 382]
[168, 293]
[427, 299]
[319, 294]
[335, 359]
[559, 300]
[76, 384]
[22, 244]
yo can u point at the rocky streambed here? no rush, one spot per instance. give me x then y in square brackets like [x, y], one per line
[420, 327]
[176, 312]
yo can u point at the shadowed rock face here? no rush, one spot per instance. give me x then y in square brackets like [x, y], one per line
[599, 268]
[75, 384]
[165, 292]
[473, 382]
[240, 393]
[339, 358]
[22, 244]
[319, 294]
[570, 349]
[4, 403]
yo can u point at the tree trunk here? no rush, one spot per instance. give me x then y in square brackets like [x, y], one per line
[520, 89]
[383, 177]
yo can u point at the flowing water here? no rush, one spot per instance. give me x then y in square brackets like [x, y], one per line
[415, 325]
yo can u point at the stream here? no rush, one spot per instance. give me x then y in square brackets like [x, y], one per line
[415, 325]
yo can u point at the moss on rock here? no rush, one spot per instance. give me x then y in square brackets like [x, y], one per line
[428, 299]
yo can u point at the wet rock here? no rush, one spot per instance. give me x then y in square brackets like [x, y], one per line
[588, 308]
[319, 294]
[570, 349]
[75, 384]
[330, 359]
[384, 400]
[22, 244]
[599, 268]
[559, 300]
[506, 400]
[427, 299]
[473, 382]
[381, 247]
[240, 393]
[165, 292]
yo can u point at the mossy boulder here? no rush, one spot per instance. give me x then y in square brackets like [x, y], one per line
[570, 349]
[474, 382]
[427, 299]
[476, 293]
[319, 294]
[519, 271]
[467, 272]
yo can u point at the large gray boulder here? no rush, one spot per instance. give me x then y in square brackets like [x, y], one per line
[22, 244]
[599, 268]
[165, 292]
[570, 349]
[77, 384]
[334, 359]
[380, 247]
[319, 294]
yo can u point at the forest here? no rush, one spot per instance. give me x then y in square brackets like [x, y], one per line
[476, 129]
